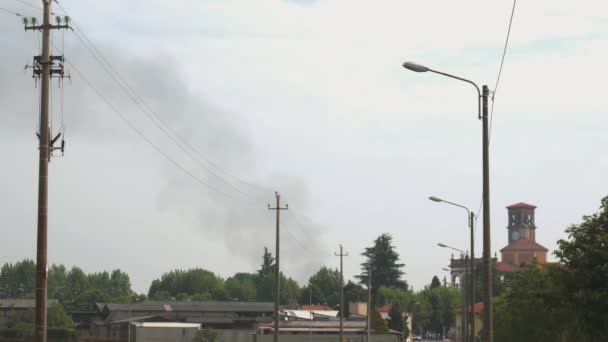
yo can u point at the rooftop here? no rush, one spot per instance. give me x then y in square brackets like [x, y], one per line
[521, 205]
[22, 303]
[524, 245]
[172, 306]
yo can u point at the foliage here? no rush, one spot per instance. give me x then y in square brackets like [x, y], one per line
[58, 318]
[561, 302]
[400, 297]
[531, 307]
[18, 280]
[196, 284]
[325, 285]
[205, 335]
[435, 283]
[396, 318]
[378, 325]
[585, 256]
[354, 293]
[73, 288]
[242, 287]
[21, 324]
[382, 259]
[289, 288]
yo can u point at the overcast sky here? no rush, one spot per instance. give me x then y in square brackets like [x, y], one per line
[307, 98]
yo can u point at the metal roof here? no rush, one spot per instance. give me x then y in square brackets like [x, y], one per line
[167, 325]
[175, 306]
[12, 303]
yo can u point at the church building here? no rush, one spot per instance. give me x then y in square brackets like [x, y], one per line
[521, 230]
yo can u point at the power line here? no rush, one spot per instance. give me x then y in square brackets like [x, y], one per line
[151, 114]
[295, 218]
[141, 134]
[502, 61]
[29, 4]
[11, 12]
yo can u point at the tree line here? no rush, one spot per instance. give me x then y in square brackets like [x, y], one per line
[562, 301]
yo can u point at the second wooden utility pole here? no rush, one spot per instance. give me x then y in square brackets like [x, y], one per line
[277, 272]
[341, 255]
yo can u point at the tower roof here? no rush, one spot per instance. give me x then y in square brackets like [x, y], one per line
[524, 245]
[521, 205]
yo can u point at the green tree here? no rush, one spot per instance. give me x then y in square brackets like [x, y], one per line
[267, 266]
[18, 280]
[396, 321]
[325, 286]
[435, 283]
[378, 324]
[353, 293]
[241, 286]
[534, 307]
[265, 282]
[57, 318]
[383, 261]
[561, 302]
[401, 297]
[195, 283]
[585, 256]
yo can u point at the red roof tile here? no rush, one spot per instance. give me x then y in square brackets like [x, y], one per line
[505, 267]
[524, 244]
[521, 205]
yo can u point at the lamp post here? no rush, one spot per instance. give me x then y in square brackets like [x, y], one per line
[487, 262]
[471, 281]
[463, 288]
[413, 309]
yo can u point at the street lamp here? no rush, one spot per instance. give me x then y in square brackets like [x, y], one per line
[487, 274]
[463, 289]
[413, 309]
[471, 282]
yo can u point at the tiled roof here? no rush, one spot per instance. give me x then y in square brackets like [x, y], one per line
[525, 245]
[521, 205]
[505, 267]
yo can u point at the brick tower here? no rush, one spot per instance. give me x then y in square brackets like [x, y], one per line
[522, 247]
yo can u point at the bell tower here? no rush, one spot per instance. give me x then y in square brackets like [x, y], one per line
[521, 235]
[521, 222]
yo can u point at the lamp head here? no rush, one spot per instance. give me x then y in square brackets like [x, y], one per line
[435, 199]
[441, 245]
[415, 67]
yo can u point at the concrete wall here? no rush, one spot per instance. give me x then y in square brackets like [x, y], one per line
[147, 334]
[234, 335]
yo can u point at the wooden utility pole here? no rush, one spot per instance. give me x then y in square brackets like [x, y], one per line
[341, 255]
[44, 67]
[369, 302]
[277, 272]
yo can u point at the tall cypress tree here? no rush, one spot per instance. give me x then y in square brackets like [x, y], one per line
[383, 260]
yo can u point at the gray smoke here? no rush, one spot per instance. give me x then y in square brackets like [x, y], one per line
[115, 202]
